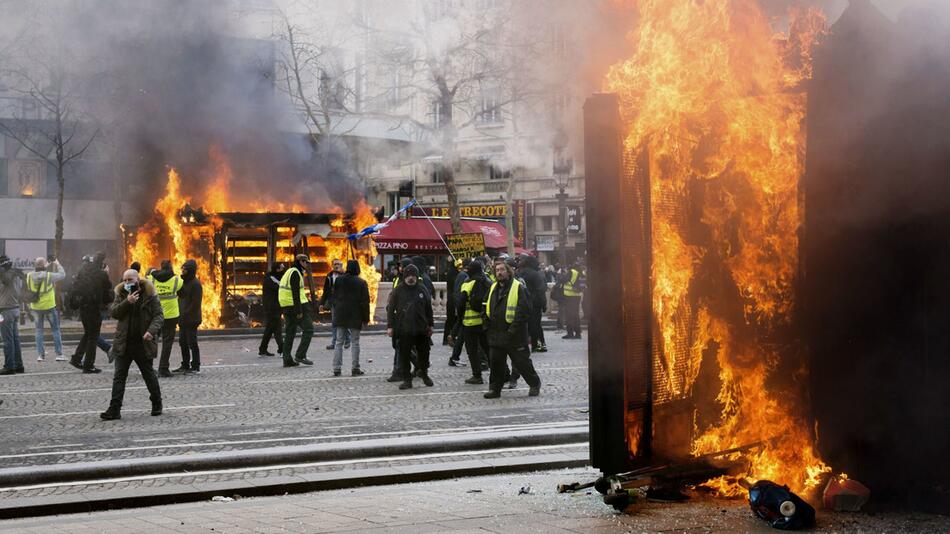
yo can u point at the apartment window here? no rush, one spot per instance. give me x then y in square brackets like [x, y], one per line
[438, 113]
[559, 42]
[436, 174]
[394, 94]
[490, 112]
[497, 173]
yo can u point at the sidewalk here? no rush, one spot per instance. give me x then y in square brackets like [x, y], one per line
[467, 505]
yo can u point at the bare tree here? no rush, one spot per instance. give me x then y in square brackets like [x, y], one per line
[53, 127]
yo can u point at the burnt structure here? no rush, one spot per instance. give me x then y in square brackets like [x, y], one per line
[876, 251]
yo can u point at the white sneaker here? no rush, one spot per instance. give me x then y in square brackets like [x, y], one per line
[60, 358]
[40, 358]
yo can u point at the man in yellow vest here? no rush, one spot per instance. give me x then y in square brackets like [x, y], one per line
[295, 305]
[508, 308]
[42, 282]
[167, 285]
[573, 283]
[471, 304]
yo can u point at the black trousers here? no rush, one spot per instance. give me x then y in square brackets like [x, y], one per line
[407, 343]
[476, 346]
[520, 360]
[450, 322]
[91, 318]
[534, 326]
[188, 341]
[572, 315]
[122, 364]
[272, 328]
[305, 323]
[168, 341]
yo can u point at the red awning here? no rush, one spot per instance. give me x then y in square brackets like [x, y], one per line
[418, 235]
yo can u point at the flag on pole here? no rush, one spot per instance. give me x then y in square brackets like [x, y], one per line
[370, 230]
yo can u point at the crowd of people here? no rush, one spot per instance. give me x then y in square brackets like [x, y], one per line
[494, 313]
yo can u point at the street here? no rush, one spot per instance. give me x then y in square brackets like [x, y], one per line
[50, 415]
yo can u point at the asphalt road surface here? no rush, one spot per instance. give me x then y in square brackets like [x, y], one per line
[50, 414]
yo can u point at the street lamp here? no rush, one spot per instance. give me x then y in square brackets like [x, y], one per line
[562, 174]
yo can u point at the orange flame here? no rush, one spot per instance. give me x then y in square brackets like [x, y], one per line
[711, 91]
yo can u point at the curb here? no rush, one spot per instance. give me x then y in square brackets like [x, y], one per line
[321, 452]
[73, 503]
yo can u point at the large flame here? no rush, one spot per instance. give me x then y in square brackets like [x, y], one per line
[713, 92]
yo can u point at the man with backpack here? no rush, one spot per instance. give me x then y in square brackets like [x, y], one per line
[11, 287]
[42, 286]
[91, 291]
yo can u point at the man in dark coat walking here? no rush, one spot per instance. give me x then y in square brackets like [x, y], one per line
[508, 309]
[95, 292]
[189, 302]
[272, 327]
[538, 290]
[351, 301]
[326, 300]
[140, 319]
[409, 319]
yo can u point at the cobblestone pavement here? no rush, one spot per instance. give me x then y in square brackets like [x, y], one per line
[50, 414]
[472, 505]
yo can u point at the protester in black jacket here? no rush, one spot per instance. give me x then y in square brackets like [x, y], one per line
[471, 301]
[508, 332]
[538, 289]
[326, 300]
[423, 267]
[409, 319]
[95, 292]
[351, 302]
[189, 302]
[272, 326]
[455, 335]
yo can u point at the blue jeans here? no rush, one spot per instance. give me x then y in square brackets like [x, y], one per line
[10, 329]
[342, 333]
[51, 315]
[346, 338]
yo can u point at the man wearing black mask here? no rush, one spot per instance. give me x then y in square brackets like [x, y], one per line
[189, 301]
[409, 319]
[272, 326]
[139, 313]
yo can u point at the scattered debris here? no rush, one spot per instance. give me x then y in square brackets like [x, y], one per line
[474, 491]
[370, 360]
[778, 506]
[315, 408]
[221, 498]
[525, 490]
[574, 486]
[845, 495]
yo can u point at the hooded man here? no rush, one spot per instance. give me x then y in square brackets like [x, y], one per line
[472, 294]
[424, 277]
[189, 299]
[272, 326]
[167, 285]
[42, 282]
[508, 309]
[295, 306]
[95, 292]
[139, 312]
[326, 299]
[351, 301]
[455, 331]
[409, 319]
[11, 283]
[396, 376]
[538, 289]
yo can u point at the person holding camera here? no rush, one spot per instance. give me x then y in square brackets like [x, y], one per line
[139, 313]
[11, 284]
[42, 283]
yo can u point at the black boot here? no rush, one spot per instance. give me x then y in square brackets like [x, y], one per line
[426, 380]
[492, 394]
[157, 408]
[110, 415]
[406, 385]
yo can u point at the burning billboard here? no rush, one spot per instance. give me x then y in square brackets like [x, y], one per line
[711, 110]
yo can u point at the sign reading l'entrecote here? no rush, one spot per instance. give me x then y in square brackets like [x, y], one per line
[466, 245]
[483, 211]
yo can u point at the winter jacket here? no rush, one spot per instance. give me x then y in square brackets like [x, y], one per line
[351, 298]
[326, 299]
[409, 312]
[269, 288]
[11, 283]
[149, 314]
[537, 286]
[500, 332]
[189, 296]
[478, 295]
[93, 284]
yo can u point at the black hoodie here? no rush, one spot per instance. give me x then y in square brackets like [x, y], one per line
[537, 286]
[271, 287]
[351, 298]
[189, 296]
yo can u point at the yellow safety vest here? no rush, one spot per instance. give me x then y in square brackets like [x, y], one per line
[395, 282]
[285, 296]
[490, 274]
[47, 300]
[511, 306]
[569, 290]
[168, 295]
[471, 317]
